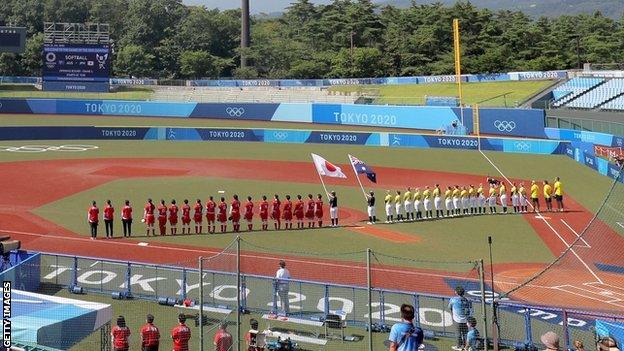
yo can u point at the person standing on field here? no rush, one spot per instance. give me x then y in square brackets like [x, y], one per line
[282, 277]
[535, 196]
[120, 334]
[126, 219]
[333, 208]
[388, 201]
[93, 217]
[222, 339]
[405, 336]
[461, 309]
[318, 210]
[109, 210]
[559, 194]
[370, 208]
[398, 204]
[181, 334]
[150, 335]
[548, 196]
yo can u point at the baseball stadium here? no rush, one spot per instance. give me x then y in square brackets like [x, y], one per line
[246, 180]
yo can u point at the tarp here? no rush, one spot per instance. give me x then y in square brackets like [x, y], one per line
[612, 329]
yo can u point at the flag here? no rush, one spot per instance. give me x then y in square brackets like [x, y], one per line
[326, 168]
[362, 168]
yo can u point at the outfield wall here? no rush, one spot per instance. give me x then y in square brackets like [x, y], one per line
[492, 121]
[288, 136]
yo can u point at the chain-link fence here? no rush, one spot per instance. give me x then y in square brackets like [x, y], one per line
[332, 301]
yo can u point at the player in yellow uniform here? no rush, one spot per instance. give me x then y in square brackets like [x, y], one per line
[559, 194]
[481, 199]
[535, 196]
[437, 201]
[472, 198]
[448, 201]
[417, 203]
[408, 204]
[492, 199]
[465, 202]
[548, 195]
[389, 202]
[515, 200]
[398, 206]
[524, 202]
[502, 194]
[427, 203]
[456, 200]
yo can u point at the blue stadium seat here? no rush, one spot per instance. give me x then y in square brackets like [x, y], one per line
[600, 95]
[574, 88]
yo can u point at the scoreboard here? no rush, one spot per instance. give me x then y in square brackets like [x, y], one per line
[12, 39]
[76, 67]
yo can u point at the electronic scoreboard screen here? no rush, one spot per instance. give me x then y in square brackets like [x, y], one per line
[12, 39]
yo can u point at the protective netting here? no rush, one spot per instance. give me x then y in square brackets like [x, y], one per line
[589, 273]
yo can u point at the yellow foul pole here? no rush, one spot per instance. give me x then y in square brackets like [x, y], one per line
[457, 49]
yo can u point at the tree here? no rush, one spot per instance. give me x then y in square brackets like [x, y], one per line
[134, 61]
[200, 64]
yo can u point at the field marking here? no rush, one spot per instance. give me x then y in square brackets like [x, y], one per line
[546, 222]
[589, 294]
[320, 263]
[577, 234]
[620, 224]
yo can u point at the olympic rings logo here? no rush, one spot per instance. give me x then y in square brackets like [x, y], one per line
[235, 111]
[522, 146]
[280, 135]
[45, 148]
[505, 126]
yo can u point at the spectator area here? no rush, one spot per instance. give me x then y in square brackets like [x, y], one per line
[599, 95]
[590, 93]
[574, 88]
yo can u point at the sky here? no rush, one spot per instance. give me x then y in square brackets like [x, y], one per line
[256, 6]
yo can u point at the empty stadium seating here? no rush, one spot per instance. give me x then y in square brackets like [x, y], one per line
[251, 94]
[599, 95]
[574, 88]
[615, 104]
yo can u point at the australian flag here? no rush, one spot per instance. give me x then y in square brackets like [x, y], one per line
[362, 168]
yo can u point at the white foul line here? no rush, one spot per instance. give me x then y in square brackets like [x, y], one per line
[548, 224]
[577, 234]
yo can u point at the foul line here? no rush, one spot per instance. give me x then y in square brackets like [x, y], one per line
[577, 234]
[620, 224]
[546, 222]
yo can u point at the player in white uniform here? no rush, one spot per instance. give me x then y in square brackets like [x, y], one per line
[456, 205]
[417, 203]
[408, 204]
[437, 201]
[427, 202]
[398, 206]
[389, 202]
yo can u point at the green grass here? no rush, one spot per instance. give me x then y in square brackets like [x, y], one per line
[456, 240]
[473, 93]
[29, 91]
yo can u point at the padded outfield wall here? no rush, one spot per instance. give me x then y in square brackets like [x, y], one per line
[492, 121]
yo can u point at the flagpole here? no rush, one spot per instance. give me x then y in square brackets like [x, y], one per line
[356, 177]
[321, 178]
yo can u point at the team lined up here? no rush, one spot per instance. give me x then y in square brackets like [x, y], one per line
[301, 211]
[461, 200]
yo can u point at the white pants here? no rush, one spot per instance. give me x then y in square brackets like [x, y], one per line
[437, 202]
[473, 202]
[449, 204]
[333, 212]
[515, 201]
[398, 208]
[388, 209]
[492, 201]
[503, 200]
[481, 200]
[408, 206]
[524, 201]
[427, 204]
[456, 203]
[371, 211]
[417, 205]
[465, 203]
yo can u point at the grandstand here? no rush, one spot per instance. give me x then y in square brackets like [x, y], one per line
[573, 88]
[597, 92]
[252, 94]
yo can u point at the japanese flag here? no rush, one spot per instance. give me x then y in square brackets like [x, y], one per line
[326, 168]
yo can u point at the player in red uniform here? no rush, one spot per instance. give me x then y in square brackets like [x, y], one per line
[120, 335]
[222, 215]
[126, 219]
[109, 210]
[288, 213]
[150, 335]
[186, 218]
[162, 217]
[319, 210]
[249, 213]
[309, 213]
[275, 212]
[148, 217]
[173, 217]
[299, 212]
[198, 213]
[181, 335]
[210, 215]
[264, 213]
[93, 216]
[235, 213]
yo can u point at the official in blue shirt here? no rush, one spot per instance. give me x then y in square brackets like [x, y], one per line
[405, 336]
[472, 337]
[461, 309]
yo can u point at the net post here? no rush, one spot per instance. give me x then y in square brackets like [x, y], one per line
[238, 295]
[201, 303]
[566, 330]
[483, 305]
[370, 299]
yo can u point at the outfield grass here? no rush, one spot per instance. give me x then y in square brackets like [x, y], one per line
[29, 91]
[414, 94]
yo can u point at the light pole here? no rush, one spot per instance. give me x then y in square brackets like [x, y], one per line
[244, 31]
[351, 34]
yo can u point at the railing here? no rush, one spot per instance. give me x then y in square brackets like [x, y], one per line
[589, 125]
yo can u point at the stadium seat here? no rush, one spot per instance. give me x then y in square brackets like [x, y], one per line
[573, 88]
[600, 95]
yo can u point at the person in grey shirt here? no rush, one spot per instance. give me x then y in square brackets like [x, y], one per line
[282, 277]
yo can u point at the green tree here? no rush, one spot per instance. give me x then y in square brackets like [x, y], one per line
[134, 61]
[200, 64]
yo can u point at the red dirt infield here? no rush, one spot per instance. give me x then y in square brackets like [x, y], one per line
[51, 180]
